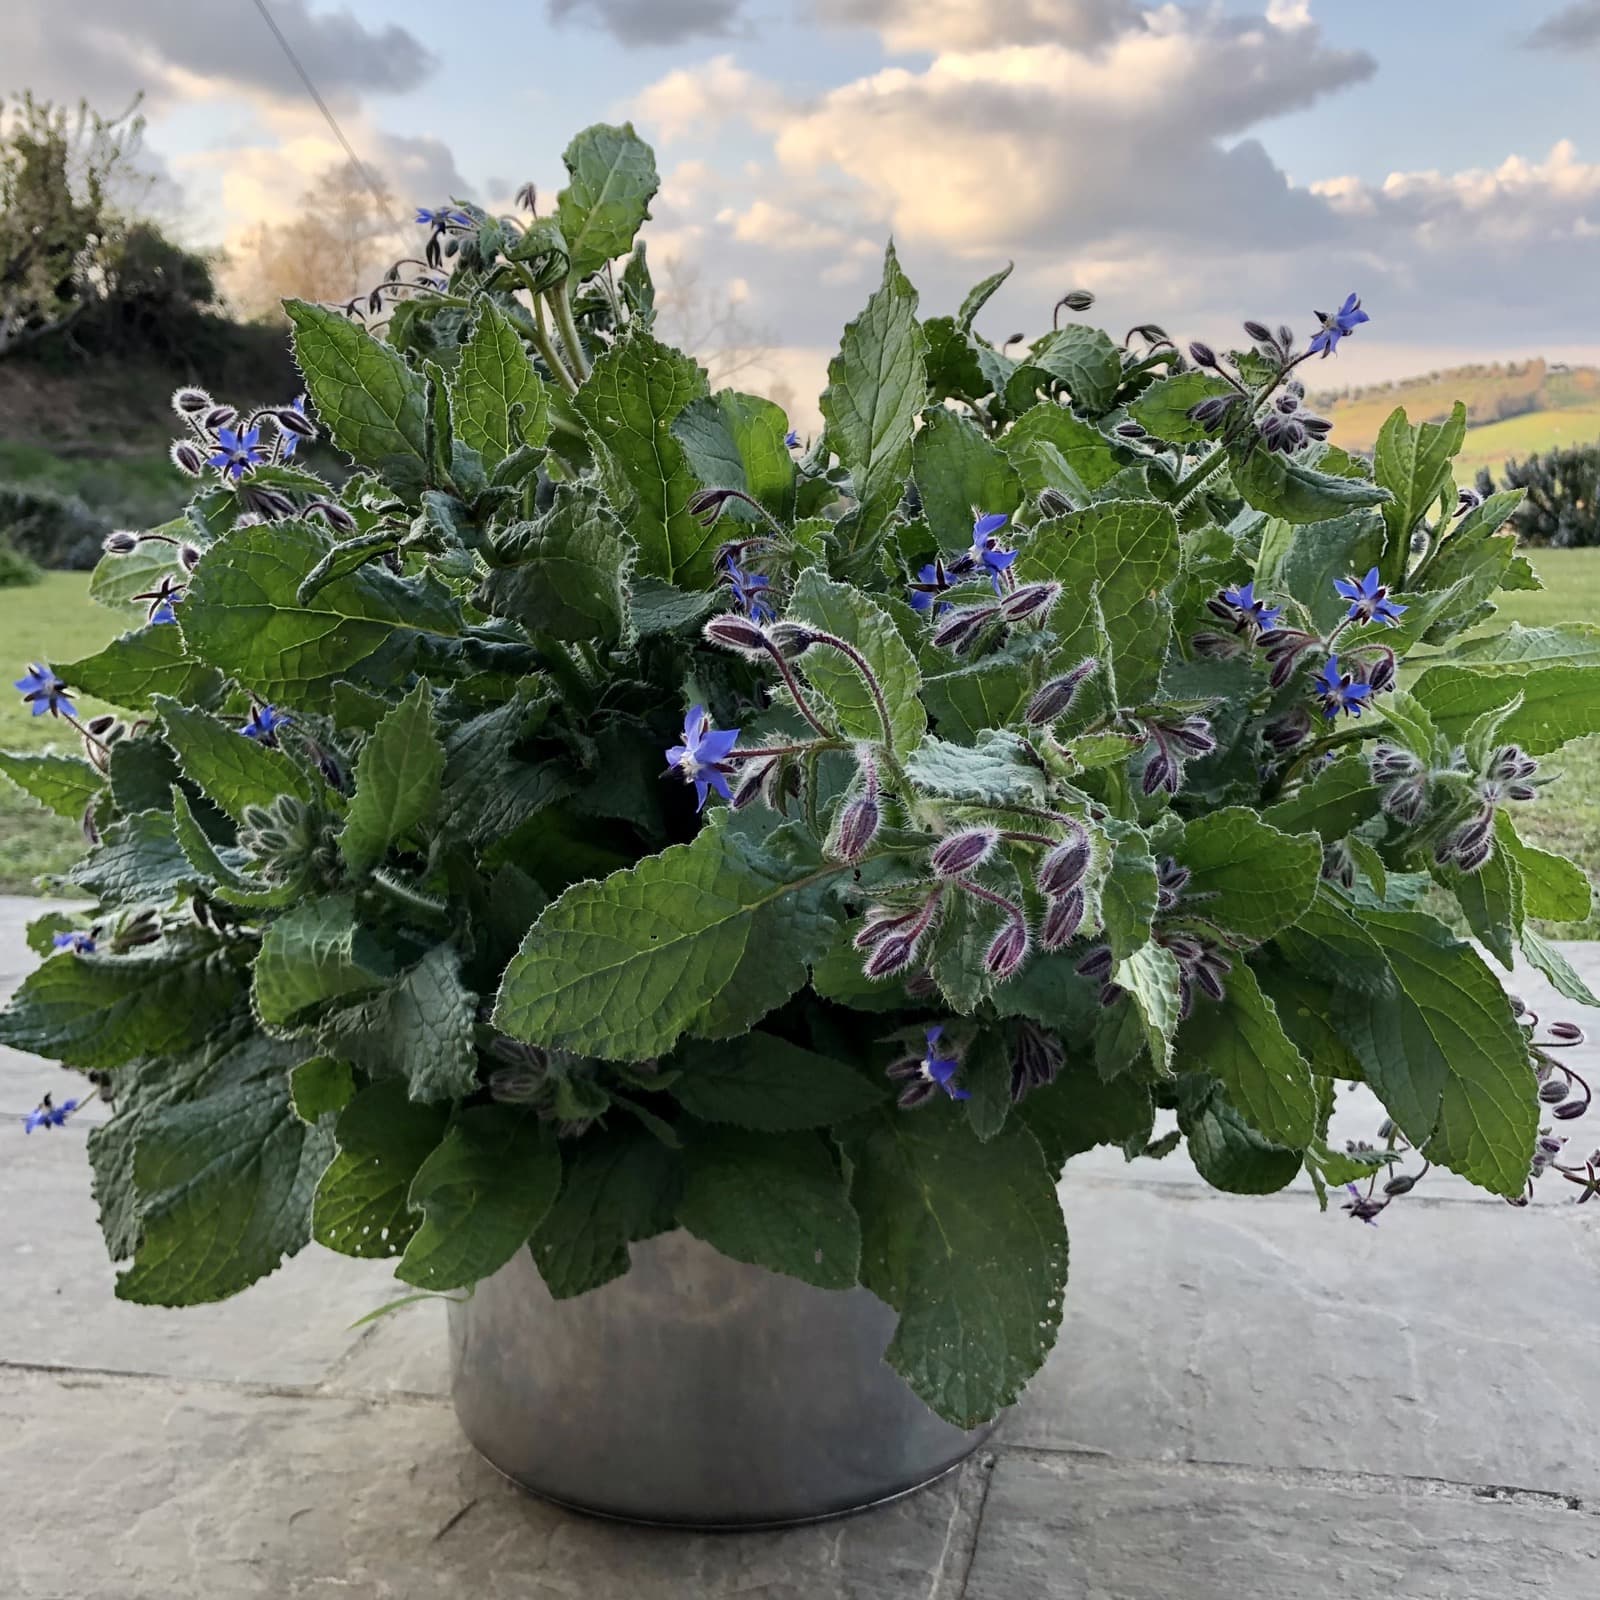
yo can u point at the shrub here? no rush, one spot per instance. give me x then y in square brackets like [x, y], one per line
[54, 530]
[1561, 490]
[1035, 759]
[16, 570]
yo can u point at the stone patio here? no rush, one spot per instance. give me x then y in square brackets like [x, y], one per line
[1249, 1401]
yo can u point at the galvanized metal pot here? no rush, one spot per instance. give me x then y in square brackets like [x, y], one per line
[693, 1390]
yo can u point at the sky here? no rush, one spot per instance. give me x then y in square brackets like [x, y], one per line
[1192, 163]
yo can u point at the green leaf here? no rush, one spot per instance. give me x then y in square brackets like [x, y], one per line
[1127, 552]
[361, 1206]
[497, 398]
[1563, 976]
[1304, 560]
[571, 570]
[1128, 896]
[1569, 644]
[321, 1087]
[102, 1011]
[138, 862]
[1163, 409]
[613, 179]
[1297, 493]
[986, 1075]
[775, 1200]
[980, 295]
[243, 615]
[314, 954]
[618, 1185]
[1445, 1055]
[117, 579]
[1559, 703]
[960, 474]
[481, 1193]
[1338, 798]
[844, 611]
[137, 665]
[1150, 975]
[1247, 876]
[970, 701]
[1086, 360]
[1081, 1110]
[876, 387]
[419, 1026]
[1491, 901]
[965, 1240]
[1413, 464]
[736, 441]
[1242, 1044]
[226, 878]
[1411, 725]
[233, 771]
[1306, 1006]
[765, 1083]
[1227, 1152]
[1552, 887]
[707, 936]
[995, 771]
[967, 926]
[397, 782]
[637, 388]
[372, 404]
[64, 784]
[1052, 449]
[225, 1185]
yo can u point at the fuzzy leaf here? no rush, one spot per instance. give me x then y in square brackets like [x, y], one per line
[138, 862]
[1247, 876]
[64, 784]
[1559, 703]
[397, 782]
[960, 474]
[233, 771]
[314, 954]
[1081, 1110]
[1298, 493]
[1413, 464]
[995, 771]
[497, 398]
[775, 1200]
[1337, 799]
[137, 665]
[613, 179]
[1564, 977]
[1052, 449]
[321, 1087]
[1227, 1152]
[765, 1083]
[1128, 896]
[1552, 887]
[1086, 360]
[1163, 409]
[736, 441]
[1150, 975]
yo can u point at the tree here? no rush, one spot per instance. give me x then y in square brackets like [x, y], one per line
[1562, 507]
[710, 326]
[58, 221]
[341, 239]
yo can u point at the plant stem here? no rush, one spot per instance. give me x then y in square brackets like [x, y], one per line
[1186, 486]
[541, 334]
[568, 327]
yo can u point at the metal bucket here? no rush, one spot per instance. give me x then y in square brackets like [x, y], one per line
[693, 1390]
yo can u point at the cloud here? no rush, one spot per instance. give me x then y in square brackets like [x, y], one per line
[650, 22]
[1574, 27]
[971, 25]
[693, 101]
[110, 49]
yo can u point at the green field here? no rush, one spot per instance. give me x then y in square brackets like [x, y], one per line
[1517, 438]
[56, 621]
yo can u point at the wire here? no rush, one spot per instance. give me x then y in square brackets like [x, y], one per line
[379, 197]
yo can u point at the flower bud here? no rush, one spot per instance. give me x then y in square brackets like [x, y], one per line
[1193, 736]
[1063, 868]
[1052, 503]
[857, 828]
[1161, 772]
[1129, 430]
[190, 402]
[1288, 732]
[734, 632]
[120, 543]
[1097, 964]
[295, 422]
[1076, 300]
[792, 639]
[1031, 600]
[879, 925]
[333, 514]
[705, 505]
[1553, 1091]
[1055, 698]
[1406, 800]
[752, 783]
[1401, 1183]
[1202, 354]
[894, 954]
[1007, 950]
[1216, 646]
[218, 416]
[962, 626]
[187, 457]
[961, 852]
[1062, 920]
[1572, 1109]
[1566, 1032]
[1259, 332]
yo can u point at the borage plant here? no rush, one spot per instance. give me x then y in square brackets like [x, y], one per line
[603, 813]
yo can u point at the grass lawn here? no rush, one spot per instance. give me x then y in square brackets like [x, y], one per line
[1496, 443]
[56, 621]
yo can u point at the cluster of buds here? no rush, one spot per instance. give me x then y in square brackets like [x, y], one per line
[1402, 780]
[289, 840]
[1505, 777]
[1059, 878]
[1171, 746]
[891, 937]
[1036, 1057]
[1286, 426]
[1202, 966]
[232, 446]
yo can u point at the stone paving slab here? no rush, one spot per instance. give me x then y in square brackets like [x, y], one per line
[1072, 1528]
[149, 1491]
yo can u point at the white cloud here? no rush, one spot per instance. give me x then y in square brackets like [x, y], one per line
[695, 101]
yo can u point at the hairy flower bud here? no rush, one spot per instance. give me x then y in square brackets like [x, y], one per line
[1259, 332]
[752, 783]
[1076, 300]
[1161, 771]
[1553, 1091]
[1062, 919]
[1063, 868]
[792, 639]
[1007, 950]
[890, 956]
[190, 402]
[333, 514]
[1052, 503]
[295, 422]
[1129, 430]
[1097, 964]
[1406, 799]
[187, 457]
[705, 505]
[856, 828]
[734, 632]
[1055, 698]
[217, 416]
[1202, 354]
[1288, 732]
[1031, 600]
[961, 852]
[962, 625]
[120, 543]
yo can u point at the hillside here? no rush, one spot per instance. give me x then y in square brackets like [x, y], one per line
[1513, 410]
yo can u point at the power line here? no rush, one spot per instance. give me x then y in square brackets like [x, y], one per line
[379, 197]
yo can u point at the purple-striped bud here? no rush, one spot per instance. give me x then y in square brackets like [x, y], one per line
[1062, 920]
[1063, 868]
[1571, 1110]
[120, 543]
[1566, 1032]
[962, 625]
[879, 925]
[1216, 646]
[1031, 600]
[894, 954]
[1553, 1091]
[1258, 331]
[295, 422]
[1202, 354]
[187, 457]
[792, 639]
[1007, 950]
[190, 402]
[1288, 732]
[333, 514]
[856, 829]
[1052, 503]
[752, 783]
[1055, 698]
[705, 505]
[218, 416]
[1097, 964]
[1405, 800]
[734, 632]
[1161, 772]
[961, 852]
[1193, 736]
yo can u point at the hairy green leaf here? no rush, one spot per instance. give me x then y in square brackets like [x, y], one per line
[1247, 876]
[233, 771]
[64, 784]
[314, 954]
[612, 181]
[497, 398]
[397, 782]
[137, 665]
[766, 1083]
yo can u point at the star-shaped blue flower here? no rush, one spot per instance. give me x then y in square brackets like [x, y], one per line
[792, 439]
[1338, 691]
[1345, 320]
[1369, 599]
[986, 551]
[1243, 600]
[80, 944]
[442, 218]
[44, 691]
[48, 1115]
[940, 1067]
[702, 758]
[265, 720]
[750, 590]
[932, 580]
[236, 452]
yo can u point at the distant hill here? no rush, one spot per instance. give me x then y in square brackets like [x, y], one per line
[1513, 409]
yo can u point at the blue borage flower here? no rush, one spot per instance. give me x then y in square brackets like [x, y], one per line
[289, 440]
[444, 217]
[1369, 600]
[932, 580]
[1242, 600]
[264, 722]
[1364, 1208]
[985, 555]
[702, 758]
[1344, 321]
[792, 439]
[44, 691]
[986, 551]
[925, 1075]
[1339, 691]
[751, 590]
[162, 598]
[236, 453]
[49, 1115]
[80, 944]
